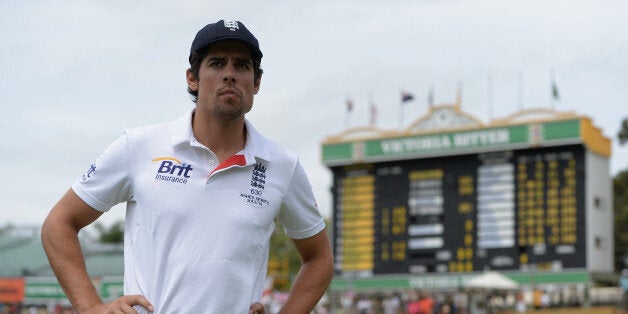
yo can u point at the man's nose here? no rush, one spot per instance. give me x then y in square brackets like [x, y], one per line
[229, 74]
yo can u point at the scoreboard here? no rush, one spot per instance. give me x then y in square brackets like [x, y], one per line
[507, 198]
[461, 213]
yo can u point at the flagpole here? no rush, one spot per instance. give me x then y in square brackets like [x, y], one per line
[552, 84]
[405, 97]
[400, 115]
[372, 110]
[369, 112]
[401, 101]
[555, 97]
[348, 111]
[489, 97]
[520, 90]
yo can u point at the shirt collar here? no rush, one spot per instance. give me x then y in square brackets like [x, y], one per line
[256, 145]
[182, 129]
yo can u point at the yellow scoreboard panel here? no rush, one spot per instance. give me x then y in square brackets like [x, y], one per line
[503, 210]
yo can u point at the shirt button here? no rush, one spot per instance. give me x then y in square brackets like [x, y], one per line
[211, 162]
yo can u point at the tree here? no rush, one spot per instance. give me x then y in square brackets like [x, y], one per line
[113, 234]
[283, 261]
[620, 207]
[622, 136]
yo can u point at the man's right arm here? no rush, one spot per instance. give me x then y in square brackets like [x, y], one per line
[59, 236]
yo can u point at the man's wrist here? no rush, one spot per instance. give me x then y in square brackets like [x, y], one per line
[84, 307]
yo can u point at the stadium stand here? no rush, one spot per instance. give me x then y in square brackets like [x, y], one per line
[22, 254]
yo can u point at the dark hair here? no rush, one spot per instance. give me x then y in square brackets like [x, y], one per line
[197, 58]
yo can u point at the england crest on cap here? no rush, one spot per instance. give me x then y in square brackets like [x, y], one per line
[232, 25]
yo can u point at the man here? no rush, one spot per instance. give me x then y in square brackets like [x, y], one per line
[202, 195]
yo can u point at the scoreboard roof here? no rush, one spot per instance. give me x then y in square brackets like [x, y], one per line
[446, 130]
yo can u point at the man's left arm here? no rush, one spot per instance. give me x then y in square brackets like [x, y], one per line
[315, 275]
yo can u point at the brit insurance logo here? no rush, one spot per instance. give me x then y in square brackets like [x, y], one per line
[172, 170]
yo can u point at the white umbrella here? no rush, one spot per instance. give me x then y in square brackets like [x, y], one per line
[492, 280]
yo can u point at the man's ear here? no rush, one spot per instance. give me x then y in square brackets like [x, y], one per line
[192, 82]
[256, 85]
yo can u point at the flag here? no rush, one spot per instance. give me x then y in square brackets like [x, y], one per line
[349, 106]
[406, 97]
[349, 103]
[373, 114]
[430, 97]
[555, 93]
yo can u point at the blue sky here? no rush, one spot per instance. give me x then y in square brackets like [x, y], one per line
[75, 74]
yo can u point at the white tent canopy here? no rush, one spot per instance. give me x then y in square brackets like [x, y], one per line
[492, 280]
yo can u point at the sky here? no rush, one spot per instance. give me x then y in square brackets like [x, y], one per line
[75, 74]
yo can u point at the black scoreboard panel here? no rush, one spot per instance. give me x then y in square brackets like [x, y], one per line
[499, 210]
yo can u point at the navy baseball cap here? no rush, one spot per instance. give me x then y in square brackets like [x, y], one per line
[222, 30]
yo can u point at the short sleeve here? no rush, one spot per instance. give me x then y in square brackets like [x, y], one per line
[107, 181]
[299, 212]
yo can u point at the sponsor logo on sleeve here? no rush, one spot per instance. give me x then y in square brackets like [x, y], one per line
[89, 172]
[172, 170]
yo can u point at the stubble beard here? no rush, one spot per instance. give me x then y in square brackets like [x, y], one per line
[231, 110]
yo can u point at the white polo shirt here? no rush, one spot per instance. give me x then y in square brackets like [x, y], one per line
[196, 232]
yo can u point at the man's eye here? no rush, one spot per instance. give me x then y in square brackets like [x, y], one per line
[215, 64]
[243, 66]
